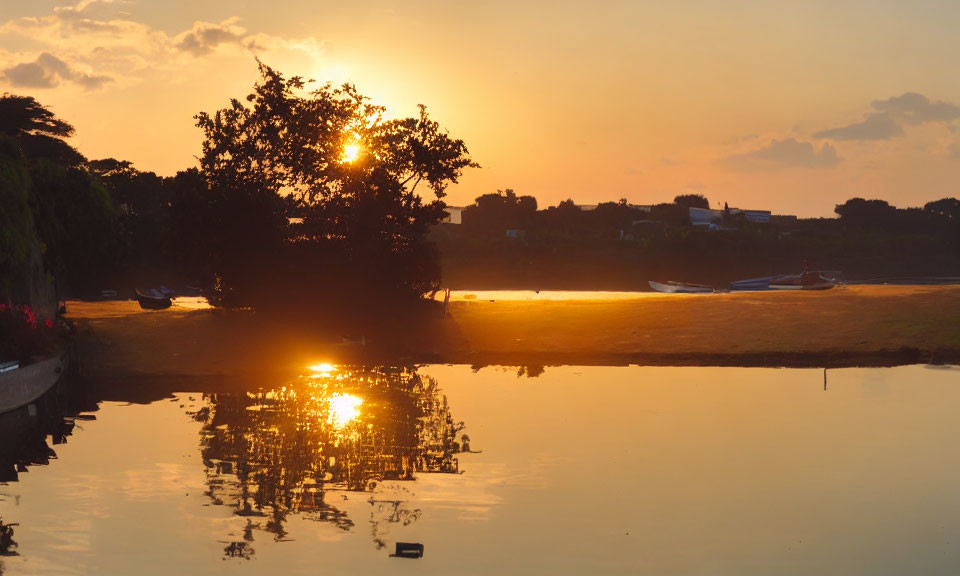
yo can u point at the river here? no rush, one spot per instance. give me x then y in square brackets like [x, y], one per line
[564, 470]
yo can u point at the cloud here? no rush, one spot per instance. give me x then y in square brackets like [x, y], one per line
[954, 151]
[48, 71]
[891, 115]
[204, 37]
[877, 126]
[788, 152]
[915, 108]
[87, 35]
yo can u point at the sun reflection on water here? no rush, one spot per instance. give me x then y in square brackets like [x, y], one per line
[322, 369]
[344, 408]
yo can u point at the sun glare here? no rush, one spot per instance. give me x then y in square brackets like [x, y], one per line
[344, 408]
[322, 369]
[351, 152]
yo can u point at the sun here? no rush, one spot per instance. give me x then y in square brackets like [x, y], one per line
[351, 152]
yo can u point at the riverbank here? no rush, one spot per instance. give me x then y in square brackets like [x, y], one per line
[850, 326]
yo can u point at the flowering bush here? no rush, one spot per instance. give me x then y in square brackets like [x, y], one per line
[22, 335]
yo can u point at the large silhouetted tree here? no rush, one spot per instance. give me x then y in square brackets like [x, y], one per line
[354, 176]
[69, 208]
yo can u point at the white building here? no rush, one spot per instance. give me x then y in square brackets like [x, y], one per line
[454, 215]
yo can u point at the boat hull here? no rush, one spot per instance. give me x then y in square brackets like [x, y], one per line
[816, 286]
[24, 385]
[679, 288]
[155, 300]
[148, 303]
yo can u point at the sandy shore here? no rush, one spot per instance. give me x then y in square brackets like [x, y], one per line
[856, 325]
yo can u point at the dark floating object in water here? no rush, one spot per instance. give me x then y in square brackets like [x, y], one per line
[408, 550]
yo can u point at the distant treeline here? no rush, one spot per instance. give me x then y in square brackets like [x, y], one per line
[505, 241]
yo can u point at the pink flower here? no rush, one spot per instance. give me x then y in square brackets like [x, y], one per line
[48, 323]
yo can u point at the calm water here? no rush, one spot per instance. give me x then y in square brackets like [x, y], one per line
[576, 470]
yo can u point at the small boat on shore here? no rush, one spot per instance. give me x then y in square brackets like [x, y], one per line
[672, 287]
[752, 283]
[805, 281]
[153, 299]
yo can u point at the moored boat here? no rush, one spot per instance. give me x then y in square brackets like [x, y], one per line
[672, 287]
[153, 299]
[805, 281]
[752, 283]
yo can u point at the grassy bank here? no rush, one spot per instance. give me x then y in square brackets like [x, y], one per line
[857, 325]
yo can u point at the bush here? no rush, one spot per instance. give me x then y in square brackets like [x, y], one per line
[23, 335]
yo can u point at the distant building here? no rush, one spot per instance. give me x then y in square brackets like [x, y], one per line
[454, 215]
[726, 219]
[704, 218]
[783, 220]
[757, 216]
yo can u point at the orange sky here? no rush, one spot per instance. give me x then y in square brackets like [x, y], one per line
[792, 107]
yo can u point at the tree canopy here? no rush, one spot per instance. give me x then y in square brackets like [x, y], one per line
[69, 210]
[330, 156]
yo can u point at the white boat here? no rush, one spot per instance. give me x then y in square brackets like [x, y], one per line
[672, 287]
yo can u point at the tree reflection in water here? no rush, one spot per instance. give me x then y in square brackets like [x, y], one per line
[26, 435]
[283, 451]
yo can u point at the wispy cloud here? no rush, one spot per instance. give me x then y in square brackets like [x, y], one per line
[879, 126]
[915, 108]
[888, 118]
[788, 152]
[204, 37]
[48, 71]
[92, 42]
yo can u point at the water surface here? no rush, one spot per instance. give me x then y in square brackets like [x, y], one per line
[616, 470]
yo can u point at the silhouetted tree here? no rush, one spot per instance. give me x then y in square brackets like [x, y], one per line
[947, 207]
[17, 230]
[364, 224]
[692, 201]
[143, 207]
[70, 210]
[38, 132]
[500, 211]
[862, 213]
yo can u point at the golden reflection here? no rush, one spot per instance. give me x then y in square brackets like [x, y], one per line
[323, 368]
[343, 409]
[335, 428]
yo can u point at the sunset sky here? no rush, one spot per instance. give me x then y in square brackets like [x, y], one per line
[792, 107]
